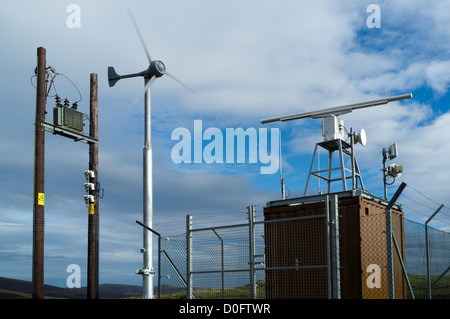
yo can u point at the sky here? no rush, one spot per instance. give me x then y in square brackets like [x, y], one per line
[244, 61]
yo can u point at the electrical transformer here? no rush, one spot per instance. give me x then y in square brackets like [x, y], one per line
[68, 118]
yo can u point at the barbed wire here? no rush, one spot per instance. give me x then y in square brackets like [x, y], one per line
[240, 215]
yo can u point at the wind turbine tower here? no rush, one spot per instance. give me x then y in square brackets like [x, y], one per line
[155, 70]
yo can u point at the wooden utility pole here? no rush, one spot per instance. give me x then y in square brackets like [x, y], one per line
[93, 223]
[38, 192]
[39, 166]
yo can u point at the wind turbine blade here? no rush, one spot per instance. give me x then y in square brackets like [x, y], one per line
[179, 82]
[139, 96]
[140, 37]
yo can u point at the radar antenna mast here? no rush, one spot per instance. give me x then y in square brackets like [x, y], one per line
[333, 133]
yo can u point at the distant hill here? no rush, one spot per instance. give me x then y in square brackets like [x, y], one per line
[20, 289]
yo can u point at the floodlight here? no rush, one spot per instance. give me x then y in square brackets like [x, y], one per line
[88, 174]
[89, 186]
[392, 151]
[89, 199]
[392, 171]
[395, 170]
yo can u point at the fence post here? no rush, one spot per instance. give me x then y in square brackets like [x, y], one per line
[222, 262]
[427, 250]
[389, 236]
[328, 243]
[189, 292]
[390, 256]
[335, 254]
[251, 227]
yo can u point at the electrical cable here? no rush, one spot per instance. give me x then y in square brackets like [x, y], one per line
[31, 80]
[52, 70]
[417, 202]
[387, 177]
[73, 86]
[441, 214]
[49, 88]
[421, 193]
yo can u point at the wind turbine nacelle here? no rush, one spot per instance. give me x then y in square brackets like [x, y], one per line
[156, 69]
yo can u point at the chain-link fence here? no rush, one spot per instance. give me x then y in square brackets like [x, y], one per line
[236, 262]
[308, 256]
[429, 276]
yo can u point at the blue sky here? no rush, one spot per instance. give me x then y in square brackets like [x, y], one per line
[245, 60]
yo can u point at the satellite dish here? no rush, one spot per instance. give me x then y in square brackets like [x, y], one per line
[361, 137]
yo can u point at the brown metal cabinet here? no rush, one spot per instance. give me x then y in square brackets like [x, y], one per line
[296, 249]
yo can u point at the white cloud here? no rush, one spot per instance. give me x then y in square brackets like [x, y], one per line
[438, 76]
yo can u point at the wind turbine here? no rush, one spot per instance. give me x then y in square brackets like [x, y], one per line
[155, 70]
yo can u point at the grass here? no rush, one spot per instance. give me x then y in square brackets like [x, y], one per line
[419, 284]
[239, 292]
[9, 294]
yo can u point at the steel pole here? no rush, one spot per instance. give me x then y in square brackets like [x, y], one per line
[147, 273]
[335, 248]
[352, 145]
[38, 192]
[328, 241]
[251, 242]
[427, 250]
[223, 264]
[159, 255]
[389, 236]
[189, 279]
[384, 173]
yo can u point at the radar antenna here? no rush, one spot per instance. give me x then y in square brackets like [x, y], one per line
[333, 132]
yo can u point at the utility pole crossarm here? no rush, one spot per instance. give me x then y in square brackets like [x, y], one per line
[76, 136]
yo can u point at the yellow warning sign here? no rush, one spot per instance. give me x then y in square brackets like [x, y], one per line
[41, 199]
[91, 209]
